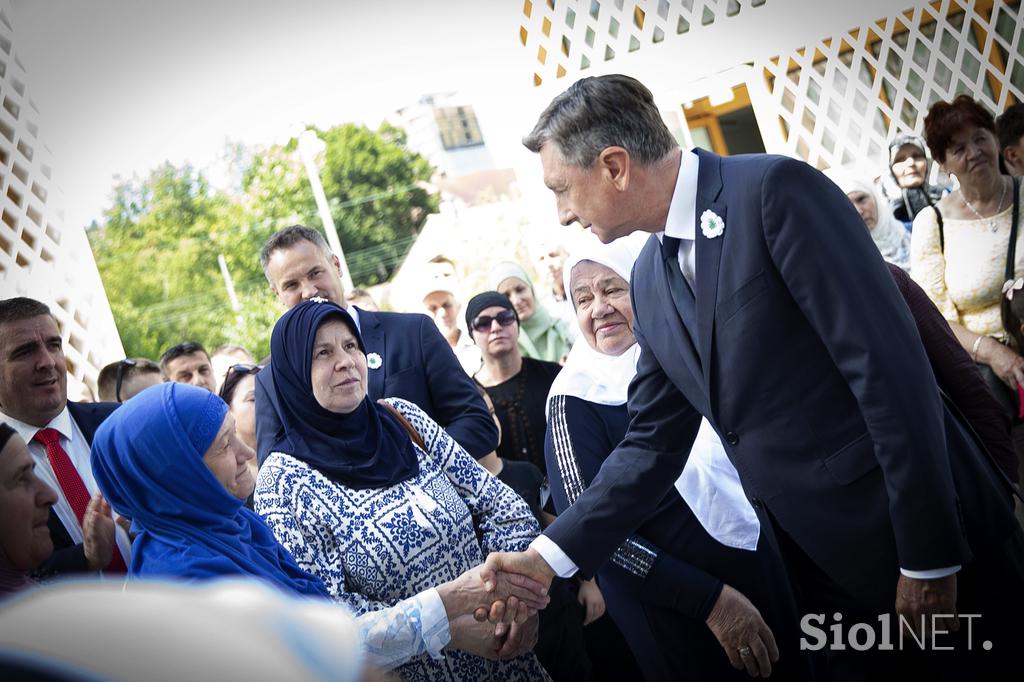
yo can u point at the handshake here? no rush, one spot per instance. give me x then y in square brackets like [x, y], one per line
[503, 595]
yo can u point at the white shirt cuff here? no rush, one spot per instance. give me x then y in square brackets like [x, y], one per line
[559, 562]
[434, 621]
[931, 574]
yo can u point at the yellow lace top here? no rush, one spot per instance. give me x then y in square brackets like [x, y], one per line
[965, 282]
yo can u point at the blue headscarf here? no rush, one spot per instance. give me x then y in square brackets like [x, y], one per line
[366, 448]
[147, 458]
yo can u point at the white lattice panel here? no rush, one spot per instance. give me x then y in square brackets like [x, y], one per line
[41, 257]
[838, 100]
[569, 36]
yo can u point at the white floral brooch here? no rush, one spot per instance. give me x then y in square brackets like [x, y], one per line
[1011, 286]
[711, 224]
[373, 361]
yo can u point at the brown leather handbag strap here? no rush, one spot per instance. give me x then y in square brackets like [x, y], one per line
[417, 439]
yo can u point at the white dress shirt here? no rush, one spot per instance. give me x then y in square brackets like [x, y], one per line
[73, 442]
[681, 224]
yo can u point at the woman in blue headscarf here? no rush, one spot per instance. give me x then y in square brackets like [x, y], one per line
[170, 460]
[376, 517]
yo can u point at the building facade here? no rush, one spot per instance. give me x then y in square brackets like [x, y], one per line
[40, 256]
[828, 81]
[444, 129]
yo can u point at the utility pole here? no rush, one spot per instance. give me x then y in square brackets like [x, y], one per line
[309, 146]
[235, 305]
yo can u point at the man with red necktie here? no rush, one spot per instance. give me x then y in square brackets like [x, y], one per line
[33, 400]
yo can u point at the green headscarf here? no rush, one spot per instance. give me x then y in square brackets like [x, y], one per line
[543, 336]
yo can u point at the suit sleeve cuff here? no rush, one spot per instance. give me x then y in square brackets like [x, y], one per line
[931, 574]
[559, 562]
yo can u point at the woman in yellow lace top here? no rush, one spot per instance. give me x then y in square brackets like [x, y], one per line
[959, 256]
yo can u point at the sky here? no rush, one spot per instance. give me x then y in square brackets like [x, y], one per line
[122, 85]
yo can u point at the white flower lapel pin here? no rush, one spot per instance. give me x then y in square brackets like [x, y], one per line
[711, 224]
[1011, 286]
[373, 361]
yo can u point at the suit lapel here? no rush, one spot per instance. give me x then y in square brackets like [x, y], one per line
[709, 255]
[373, 340]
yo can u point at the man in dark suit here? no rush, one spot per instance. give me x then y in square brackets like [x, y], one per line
[33, 401]
[761, 303]
[406, 355]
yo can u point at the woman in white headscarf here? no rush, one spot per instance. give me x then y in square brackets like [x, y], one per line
[694, 589]
[889, 235]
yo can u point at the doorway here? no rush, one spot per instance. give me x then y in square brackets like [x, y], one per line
[725, 126]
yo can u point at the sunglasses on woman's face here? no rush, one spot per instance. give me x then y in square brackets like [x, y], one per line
[483, 322]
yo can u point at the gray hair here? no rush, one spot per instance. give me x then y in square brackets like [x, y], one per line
[286, 239]
[600, 112]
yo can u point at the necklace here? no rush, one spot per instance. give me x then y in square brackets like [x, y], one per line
[999, 207]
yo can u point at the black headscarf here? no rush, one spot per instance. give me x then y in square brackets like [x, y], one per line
[366, 448]
[487, 299]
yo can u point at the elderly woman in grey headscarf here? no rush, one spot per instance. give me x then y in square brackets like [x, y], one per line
[910, 166]
[542, 335]
[889, 235]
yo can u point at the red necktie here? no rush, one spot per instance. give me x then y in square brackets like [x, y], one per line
[71, 484]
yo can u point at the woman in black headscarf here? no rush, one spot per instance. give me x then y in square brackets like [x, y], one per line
[374, 515]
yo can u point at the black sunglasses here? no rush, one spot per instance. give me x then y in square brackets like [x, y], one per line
[127, 362]
[242, 368]
[483, 322]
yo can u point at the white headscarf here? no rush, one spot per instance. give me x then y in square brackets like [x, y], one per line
[588, 373]
[230, 629]
[889, 235]
[709, 484]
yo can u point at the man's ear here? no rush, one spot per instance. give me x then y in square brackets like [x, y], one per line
[337, 263]
[614, 165]
[1012, 157]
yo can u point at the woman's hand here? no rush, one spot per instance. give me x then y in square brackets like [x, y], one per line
[591, 599]
[98, 533]
[1007, 365]
[739, 628]
[520, 595]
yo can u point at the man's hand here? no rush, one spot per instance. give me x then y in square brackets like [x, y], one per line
[592, 600]
[917, 600]
[98, 533]
[522, 569]
[521, 638]
[739, 628]
[465, 594]
[479, 639]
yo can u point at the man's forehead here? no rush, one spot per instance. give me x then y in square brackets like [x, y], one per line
[190, 359]
[296, 258]
[19, 331]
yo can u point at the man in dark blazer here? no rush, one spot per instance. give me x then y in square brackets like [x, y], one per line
[33, 398]
[406, 355]
[761, 303]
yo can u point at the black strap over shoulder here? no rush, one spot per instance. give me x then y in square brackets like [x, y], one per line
[942, 233]
[1011, 251]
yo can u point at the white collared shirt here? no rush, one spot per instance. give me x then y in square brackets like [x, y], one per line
[682, 214]
[73, 442]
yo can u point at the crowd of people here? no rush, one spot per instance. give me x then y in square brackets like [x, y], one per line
[750, 395]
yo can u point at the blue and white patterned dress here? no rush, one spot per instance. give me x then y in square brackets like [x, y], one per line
[374, 548]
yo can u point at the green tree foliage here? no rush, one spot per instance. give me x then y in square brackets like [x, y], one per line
[158, 245]
[372, 183]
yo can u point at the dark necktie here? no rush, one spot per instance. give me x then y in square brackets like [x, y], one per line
[682, 293]
[72, 486]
